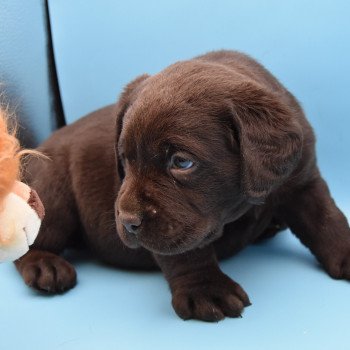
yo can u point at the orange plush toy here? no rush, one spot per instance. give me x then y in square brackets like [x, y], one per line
[21, 210]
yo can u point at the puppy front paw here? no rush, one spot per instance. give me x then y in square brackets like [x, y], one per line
[46, 272]
[208, 297]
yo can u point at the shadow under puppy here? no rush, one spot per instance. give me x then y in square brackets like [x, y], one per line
[190, 166]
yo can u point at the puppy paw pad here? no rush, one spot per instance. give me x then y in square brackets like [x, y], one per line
[211, 301]
[51, 274]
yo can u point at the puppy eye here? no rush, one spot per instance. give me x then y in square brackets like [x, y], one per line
[180, 163]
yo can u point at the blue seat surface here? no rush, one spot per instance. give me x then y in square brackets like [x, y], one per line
[295, 305]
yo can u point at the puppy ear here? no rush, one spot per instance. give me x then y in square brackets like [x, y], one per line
[126, 99]
[270, 139]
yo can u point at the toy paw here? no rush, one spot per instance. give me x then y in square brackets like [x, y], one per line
[212, 300]
[47, 272]
[20, 220]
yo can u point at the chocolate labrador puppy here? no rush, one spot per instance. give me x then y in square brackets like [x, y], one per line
[191, 165]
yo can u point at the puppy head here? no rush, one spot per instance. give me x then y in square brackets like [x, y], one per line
[196, 147]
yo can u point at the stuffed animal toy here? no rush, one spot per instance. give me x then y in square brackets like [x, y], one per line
[21, 210]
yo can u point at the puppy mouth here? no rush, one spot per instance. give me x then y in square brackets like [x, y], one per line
[209, 238]
[178, 246]
[130, 240]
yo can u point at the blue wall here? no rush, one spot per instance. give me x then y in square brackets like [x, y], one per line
[100, 46]
[24, 77]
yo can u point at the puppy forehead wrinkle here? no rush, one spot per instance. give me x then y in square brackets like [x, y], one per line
[172, 109]
[159, 139]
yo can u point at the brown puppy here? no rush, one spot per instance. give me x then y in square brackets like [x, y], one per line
[191, 165]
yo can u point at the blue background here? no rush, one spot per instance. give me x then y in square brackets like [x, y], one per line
[101, 45]
[24, 74]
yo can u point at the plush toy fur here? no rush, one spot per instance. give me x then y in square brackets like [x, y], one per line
[21, 210]
[9, 157]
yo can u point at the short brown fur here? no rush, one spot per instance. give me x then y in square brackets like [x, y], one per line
[255, 173]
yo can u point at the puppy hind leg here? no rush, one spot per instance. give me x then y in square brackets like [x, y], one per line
[314, 218]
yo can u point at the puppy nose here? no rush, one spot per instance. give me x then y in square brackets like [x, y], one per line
[131, 222]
